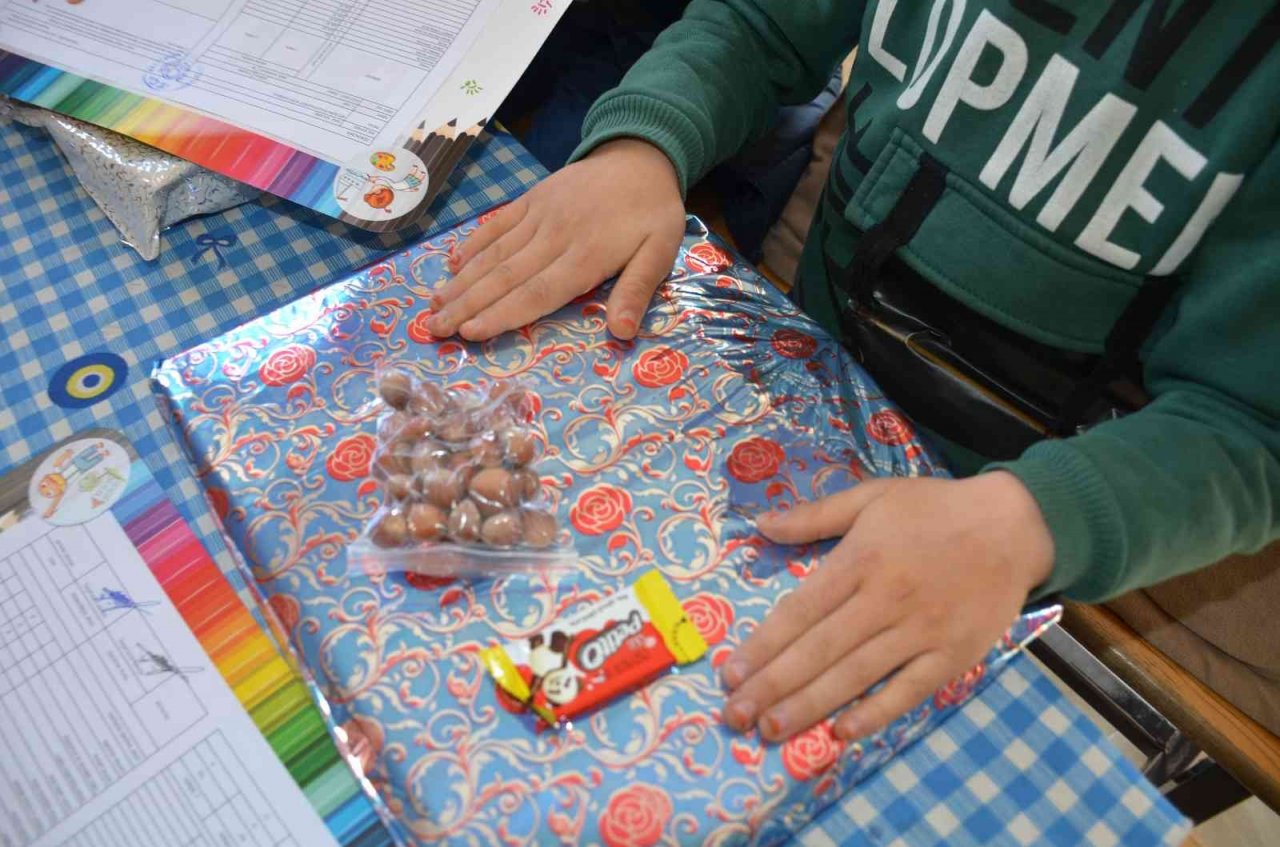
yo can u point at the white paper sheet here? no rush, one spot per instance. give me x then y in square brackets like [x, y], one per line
[115, 727]
[331, 77]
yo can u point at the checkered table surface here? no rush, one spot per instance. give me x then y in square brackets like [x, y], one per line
[1018, 765]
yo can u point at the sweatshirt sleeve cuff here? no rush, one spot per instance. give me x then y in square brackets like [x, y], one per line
[648, 119]
[1082, 515]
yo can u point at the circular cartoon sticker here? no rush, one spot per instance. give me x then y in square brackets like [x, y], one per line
[383, 185]
[79, 481]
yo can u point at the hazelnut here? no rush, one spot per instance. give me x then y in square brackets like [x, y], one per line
[540, 528]
[455, 428]
[392, 460]
[429, 400]
[427, 456]
[389, 426]
[464, 521]
[395, 388]
[415, 429]
[502, 529]
[460, 460]
[526, 484]
[400, 486]
[488, 453]
[521, 446]
[443, 488]
[391, 530]
[494, 485]
[499, 391]
[426, 522]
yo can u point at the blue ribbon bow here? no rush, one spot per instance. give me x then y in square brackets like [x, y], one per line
[208, 242]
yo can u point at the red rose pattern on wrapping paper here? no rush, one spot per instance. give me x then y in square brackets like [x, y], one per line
[600, 509]
[706, 258]
[636, 816]
[220, 501]
[711, 614]
[793, 344]
[417, 330]
[288, 610]
[958, 690]
[351, 459]
[660, 367]
[888, 426]
[812, 752]
[286, 365]
[755, 460]
[615, 507]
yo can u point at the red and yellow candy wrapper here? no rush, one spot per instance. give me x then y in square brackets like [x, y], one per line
[597, 653]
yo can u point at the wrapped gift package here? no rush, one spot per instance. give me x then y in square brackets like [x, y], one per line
[141, 190]
[657, 454]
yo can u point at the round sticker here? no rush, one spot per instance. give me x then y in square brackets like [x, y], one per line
[79, 481]
[382, 185]
[86, 380]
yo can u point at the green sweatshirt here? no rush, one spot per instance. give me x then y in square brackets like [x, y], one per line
[1090, 144]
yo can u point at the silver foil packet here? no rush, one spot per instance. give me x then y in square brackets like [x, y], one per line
[140, 189]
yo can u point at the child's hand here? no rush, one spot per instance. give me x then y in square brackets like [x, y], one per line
[929, 575]
[618, 210]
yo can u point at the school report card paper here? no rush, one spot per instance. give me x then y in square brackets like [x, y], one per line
[118, 727]
[357, 109]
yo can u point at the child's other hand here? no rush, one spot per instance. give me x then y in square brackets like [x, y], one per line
[929, 575]
[618, 210]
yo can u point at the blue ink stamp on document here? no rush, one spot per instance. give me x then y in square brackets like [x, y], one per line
[173, 72]
[113, 600]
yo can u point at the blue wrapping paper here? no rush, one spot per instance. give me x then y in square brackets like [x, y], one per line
[658, 454]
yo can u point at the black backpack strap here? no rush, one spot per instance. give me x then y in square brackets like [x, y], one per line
[879, 242]
[1120, 356]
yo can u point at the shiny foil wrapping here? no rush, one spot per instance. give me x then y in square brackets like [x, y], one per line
[658, 453]
[140, 189]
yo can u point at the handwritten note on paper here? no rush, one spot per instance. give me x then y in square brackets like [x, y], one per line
[118, 730]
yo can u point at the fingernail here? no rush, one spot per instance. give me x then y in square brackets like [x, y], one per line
[734, 673]
[848, 729]
[740, 714]
[626, 325]
[439, 325]
[773, 725]
[470, 329]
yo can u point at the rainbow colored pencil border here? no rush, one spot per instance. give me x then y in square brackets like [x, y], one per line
[275, 697]
[245, 156]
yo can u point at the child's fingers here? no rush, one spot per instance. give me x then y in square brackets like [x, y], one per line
[827, 517]
[541, 294]
[498, 282]
[640, 278]
[820, 595]
[507, 219]
[486, 261]
[836, 684]
[828, 643]
[917, 680]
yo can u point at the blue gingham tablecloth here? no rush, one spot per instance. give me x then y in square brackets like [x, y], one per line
[1017, 765]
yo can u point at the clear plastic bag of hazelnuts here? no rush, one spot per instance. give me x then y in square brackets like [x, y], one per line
[461, 493]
